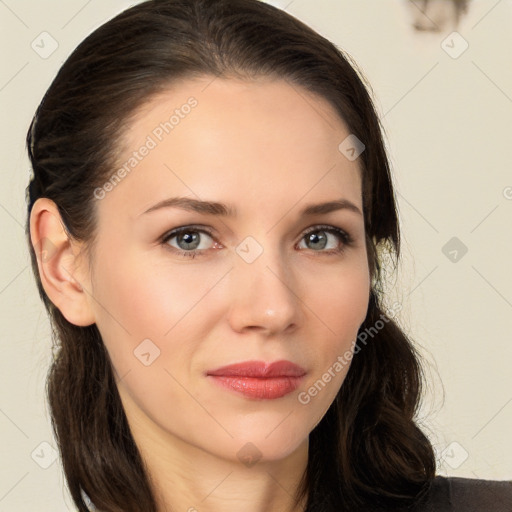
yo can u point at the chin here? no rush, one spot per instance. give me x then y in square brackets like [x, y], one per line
[262, 447]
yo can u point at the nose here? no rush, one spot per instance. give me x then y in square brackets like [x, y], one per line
[264, 295]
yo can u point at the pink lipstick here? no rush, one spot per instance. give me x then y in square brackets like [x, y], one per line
[259, 380]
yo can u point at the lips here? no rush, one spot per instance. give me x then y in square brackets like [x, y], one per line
[260, 369]
[259, 380]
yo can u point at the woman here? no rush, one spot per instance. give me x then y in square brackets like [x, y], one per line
[188, 158]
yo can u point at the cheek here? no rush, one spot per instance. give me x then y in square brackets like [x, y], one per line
[340, 298]
[138, 299]
[143, 298]
[145, 315]
[338, 308]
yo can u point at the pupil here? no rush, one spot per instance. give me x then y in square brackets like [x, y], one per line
[315, 238]
[189, 239]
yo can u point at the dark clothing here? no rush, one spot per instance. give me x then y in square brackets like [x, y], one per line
[453, 494]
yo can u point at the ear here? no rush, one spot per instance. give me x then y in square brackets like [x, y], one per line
[63, 274]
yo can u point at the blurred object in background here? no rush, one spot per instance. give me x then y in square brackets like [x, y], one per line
[437, 15]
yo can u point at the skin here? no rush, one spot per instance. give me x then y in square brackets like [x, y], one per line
[267, 149]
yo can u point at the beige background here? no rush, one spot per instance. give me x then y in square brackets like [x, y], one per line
[448, 122]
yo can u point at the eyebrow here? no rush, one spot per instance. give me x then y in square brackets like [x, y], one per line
[223, 210]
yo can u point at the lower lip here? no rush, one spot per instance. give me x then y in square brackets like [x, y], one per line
[259, 388]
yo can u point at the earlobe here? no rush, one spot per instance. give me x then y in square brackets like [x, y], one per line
[63, 277]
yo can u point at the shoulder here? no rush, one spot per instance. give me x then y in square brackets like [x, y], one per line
[454, 494]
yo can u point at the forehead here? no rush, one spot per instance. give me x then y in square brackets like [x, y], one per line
[260, 140]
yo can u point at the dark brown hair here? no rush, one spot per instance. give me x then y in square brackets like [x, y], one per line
[367, 451]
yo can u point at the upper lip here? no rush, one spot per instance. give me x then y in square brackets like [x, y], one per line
[281, 368]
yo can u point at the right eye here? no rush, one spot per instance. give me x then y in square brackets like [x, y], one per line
[188, 239]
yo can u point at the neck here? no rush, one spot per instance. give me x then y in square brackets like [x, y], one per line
[206, 484]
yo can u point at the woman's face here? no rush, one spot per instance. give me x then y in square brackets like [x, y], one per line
[266, 283]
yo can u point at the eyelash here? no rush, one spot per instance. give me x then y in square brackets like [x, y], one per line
[346, 239]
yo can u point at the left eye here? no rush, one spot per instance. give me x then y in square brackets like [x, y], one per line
[188, 240]
[318, 236]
